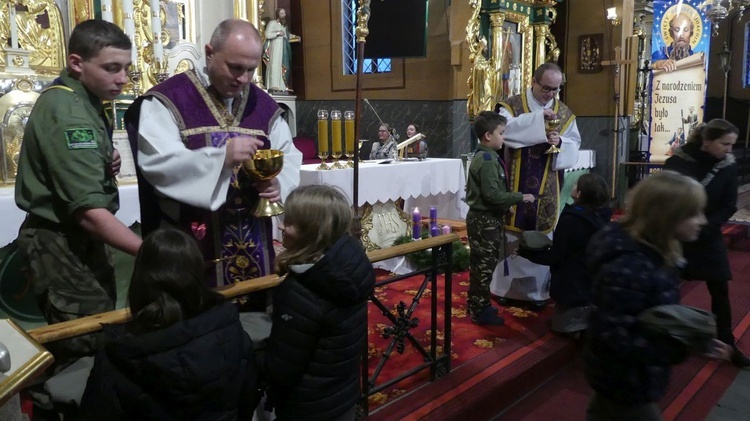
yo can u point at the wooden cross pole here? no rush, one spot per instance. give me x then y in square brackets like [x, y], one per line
[619, 83]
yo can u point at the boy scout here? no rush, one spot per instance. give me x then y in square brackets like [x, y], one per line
[66, 183]
[489, 199]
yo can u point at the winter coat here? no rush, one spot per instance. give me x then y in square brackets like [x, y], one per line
[621, 362]
[313, 359]
[196, 369]
[707, 257]
[571, 280]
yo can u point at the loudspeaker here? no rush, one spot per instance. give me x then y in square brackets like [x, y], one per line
[398, 28]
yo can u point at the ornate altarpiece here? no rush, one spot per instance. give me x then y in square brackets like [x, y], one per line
[507, 40]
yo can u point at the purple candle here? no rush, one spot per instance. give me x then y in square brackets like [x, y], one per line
[433, 214]
[434, 230]
[416, 220]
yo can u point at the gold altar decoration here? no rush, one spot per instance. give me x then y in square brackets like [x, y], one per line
[383, 223]
[520, 41]
[79, 11]
[15, 108]
[40, 32]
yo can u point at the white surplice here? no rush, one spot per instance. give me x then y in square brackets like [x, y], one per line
[525, 280]
[198, 177]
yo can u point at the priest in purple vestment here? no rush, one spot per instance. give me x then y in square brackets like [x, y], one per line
[192, 133]
[532, 170]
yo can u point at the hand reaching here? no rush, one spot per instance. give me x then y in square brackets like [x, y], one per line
[240, 149]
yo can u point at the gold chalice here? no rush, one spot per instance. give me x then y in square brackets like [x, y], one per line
[265, 165]
[552, 125]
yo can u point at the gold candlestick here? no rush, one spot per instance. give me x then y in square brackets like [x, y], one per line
[323, 139]
[349, 137]
[336, 139]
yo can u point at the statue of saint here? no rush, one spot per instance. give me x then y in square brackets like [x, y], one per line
[277, 53]
[482, 81]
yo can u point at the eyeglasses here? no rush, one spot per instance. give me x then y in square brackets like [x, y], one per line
[548, 89]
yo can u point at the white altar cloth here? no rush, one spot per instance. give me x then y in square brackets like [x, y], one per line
[12, 216]
[432, 182]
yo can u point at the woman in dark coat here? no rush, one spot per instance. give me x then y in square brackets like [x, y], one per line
[313, 360]
[707, 157]
[184, 356]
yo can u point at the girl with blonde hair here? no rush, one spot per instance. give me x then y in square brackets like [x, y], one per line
[635, 264]
[312, 363]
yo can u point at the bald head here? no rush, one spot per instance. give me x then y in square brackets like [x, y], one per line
[232, 56]
[681, 29]
[233, 28]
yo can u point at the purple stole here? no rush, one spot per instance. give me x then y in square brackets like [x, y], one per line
[235, 245]
[531, 172]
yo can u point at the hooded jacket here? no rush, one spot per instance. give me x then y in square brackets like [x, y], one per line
[707, 258]
[312, 362]
[571, 280]
[622, 362]
[196, 369]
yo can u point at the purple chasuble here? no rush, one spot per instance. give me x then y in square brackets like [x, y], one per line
[235, 245]
[531, 172]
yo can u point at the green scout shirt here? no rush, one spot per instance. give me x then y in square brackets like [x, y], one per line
[65, 156]
[486, 188]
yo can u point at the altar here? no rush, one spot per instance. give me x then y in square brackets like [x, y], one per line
[433, 182]
[129, 213]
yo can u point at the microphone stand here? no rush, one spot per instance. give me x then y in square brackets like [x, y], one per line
[390, 132]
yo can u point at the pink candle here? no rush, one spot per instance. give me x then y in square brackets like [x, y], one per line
[446, 229]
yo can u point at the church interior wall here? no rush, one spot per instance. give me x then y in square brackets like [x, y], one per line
[589, 94]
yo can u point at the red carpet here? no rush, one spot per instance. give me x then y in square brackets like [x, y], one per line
[696, 385]
[469, 341]
[505, 379]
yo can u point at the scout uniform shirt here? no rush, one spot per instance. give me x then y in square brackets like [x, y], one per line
[66, 152]
[487, 187]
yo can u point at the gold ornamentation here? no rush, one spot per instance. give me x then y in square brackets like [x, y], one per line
[383, 223]
[363, 17]
[18, 61]
[183, 66]
[45, 45]
[15, 107]
[24, 85]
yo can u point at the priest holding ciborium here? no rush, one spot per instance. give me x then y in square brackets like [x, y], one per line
[215, 157]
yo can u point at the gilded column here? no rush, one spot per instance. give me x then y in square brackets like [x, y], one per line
[252, 11]
[540, 49]
[498, 56]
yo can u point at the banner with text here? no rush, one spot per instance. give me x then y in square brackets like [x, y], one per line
[679, 57]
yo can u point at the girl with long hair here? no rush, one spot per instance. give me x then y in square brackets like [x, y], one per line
[635, 263]
[184, 355]
[312, 362]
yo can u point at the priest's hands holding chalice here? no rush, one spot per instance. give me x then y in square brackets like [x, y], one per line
[551, 127]
[263, 165]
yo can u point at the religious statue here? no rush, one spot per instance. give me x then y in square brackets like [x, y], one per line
[481, 81]
[277, 53]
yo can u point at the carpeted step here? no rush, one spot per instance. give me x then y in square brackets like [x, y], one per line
[488, 383]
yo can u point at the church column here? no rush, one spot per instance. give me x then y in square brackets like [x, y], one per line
[498, 53]
[540, 49]
[252, 11]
